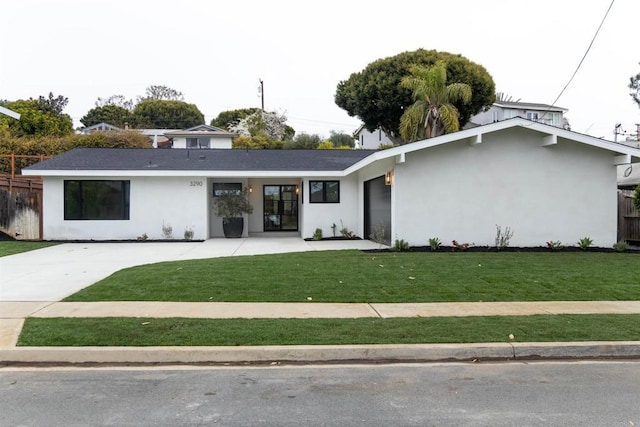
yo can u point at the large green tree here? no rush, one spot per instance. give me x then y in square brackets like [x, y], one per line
[226, 119]
[38, 117]
[432, 113]
[164, 114]
[111, 114]
[375, 95]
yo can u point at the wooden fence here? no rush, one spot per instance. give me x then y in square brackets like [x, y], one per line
[628, 218]
[21, 207]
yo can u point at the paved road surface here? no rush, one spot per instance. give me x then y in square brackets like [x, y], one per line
[453, 394]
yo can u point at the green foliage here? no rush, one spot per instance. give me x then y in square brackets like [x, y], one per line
[634, 89]
[163, 114]
[317, 234]
[435, 243]
[111, 114]
[162, 93]
[53, 145]
[303, 141]
[554, 245]
[375, 96]
[433, 113]
[585, 243]
[12, 247]
[340, 140]
[325, 145]
[38, 118]
[636, 197]
[226, 119]
[257, 142]
[620, 246]
[188, 233]
[400, 245]
[232, 204]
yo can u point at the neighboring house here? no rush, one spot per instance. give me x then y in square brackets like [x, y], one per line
[367, 140]
[201, 137]
[504, 110]
[100, 127]
[544, 182]
[499, 111]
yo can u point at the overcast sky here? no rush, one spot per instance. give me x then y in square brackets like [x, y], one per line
[215, 52]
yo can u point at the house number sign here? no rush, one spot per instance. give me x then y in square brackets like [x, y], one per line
[195, 184]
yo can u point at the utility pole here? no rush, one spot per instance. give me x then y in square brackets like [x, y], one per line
[261, 92]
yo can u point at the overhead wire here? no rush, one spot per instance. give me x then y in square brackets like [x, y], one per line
[583, 57]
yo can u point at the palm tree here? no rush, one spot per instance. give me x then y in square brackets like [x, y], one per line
[432, 113]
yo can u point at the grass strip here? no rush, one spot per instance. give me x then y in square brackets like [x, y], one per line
[356, 276]
[13, 247]
[252, 332]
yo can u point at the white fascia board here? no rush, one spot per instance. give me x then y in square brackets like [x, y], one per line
[184, 173]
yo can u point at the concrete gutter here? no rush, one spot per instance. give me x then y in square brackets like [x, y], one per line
[319, 354]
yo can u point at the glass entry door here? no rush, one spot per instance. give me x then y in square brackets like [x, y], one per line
[280, 208]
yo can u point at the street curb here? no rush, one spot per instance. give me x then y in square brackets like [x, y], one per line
[318, 354]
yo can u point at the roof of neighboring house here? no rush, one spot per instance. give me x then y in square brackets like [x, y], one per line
[201, 130]
[146, 159]
[529, 106]
[100, 127]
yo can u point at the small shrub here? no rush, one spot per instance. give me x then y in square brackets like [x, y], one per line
[378, 234]
[435, 243]
[317, 235]
[188, 233]
[167, 231]
[620, 246]
[142, 237]
[554, 245]
[585, 243]
[401, 245]
[460, 246]
[333, 229]
[345, 232]
[503, 237]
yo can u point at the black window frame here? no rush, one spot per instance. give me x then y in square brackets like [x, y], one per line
[324, 192]
[81, 211]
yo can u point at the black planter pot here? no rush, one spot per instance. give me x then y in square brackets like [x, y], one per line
[233, 227]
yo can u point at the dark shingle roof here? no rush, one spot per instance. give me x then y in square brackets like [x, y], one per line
[109, 159]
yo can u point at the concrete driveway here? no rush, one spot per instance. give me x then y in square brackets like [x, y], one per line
[53, 273]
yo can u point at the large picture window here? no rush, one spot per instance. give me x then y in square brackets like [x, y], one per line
[324, 191]
[96, 200]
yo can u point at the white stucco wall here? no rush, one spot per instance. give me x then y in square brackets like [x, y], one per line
[372, 140]
[562, 192]
[179, 202]
[324, 215]
[181, 142]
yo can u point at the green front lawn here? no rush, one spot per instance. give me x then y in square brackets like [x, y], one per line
[355, 276]
[15, 246]
[234, 332]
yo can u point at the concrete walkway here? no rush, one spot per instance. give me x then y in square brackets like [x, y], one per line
[32, 283]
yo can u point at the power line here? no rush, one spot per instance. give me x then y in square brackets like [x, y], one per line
[584, 56]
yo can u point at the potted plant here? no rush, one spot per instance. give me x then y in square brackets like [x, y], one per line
[231, 206]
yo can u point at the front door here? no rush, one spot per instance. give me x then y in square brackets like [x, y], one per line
[280, 208]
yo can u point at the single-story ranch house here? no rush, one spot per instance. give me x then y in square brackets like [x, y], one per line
[544, 182]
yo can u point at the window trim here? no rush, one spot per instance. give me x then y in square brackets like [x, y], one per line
[324, 191]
